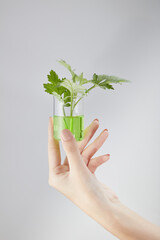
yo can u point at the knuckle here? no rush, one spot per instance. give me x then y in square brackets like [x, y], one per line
[95, 149]
[92, 152]
[81, 148]
[85, 159]
[94, 164]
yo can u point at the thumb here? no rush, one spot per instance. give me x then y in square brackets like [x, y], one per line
[71, 148]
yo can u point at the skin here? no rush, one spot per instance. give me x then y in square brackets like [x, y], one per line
[75, 178]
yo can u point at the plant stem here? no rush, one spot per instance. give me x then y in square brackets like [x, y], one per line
[74, 105]
[71, 113]
[77, 101]
[64, 117]
[88, 90]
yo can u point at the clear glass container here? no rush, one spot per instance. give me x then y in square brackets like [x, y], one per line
[67, 118]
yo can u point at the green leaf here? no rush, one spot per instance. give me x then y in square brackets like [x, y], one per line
[55, 94]
[73, 87]
[53, 78]
[54, 81]
[80, 79]
[67, 105]
[55, 88]
[66, 65]
[67, 97]
[111, 79]
[70, 92]
[104, 81]
[105, 85]
[49, 88]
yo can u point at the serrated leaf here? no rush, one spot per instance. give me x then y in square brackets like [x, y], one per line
[70, 92]
[55, 94]
[66, 65]
[73, 87]
[53, 78]
[55, 88]
[67, 96]
[105, 85]
[49, 88]
[67, 105]
[104, 81]
[111, 79]
[81, 79]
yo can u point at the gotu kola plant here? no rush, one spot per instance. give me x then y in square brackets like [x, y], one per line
[68, 94]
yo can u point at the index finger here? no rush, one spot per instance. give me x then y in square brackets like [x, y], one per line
[54, 156]
[88, 134]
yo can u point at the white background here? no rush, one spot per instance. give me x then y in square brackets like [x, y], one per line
[119, 38]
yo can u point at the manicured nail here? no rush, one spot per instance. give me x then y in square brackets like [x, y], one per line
[105, 130]
[66, 135]
[96, 119]
[106, 157]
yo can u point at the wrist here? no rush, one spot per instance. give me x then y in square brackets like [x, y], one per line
[104, 210]
[109, 214]
[112, 215]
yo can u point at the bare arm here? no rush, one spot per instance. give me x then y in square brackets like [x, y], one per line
[76, 179]
[125, 223]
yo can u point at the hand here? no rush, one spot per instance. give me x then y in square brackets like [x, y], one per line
[75, 178]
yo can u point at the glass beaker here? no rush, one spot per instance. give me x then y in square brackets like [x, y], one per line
[66, 117]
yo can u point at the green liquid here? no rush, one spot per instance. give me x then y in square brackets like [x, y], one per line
[74, 124]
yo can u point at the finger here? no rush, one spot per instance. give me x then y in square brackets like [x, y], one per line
[88, 134]
[94, 146]
[97, 161]
[54, 157]
[71, 148]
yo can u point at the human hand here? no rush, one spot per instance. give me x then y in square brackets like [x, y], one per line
[75, 178]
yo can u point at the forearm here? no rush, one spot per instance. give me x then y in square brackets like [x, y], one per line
[124, 223]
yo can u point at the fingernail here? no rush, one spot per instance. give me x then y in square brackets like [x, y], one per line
[105, 130]
[50, 118]
[106, 157]
[66, 135]
[96, 119]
